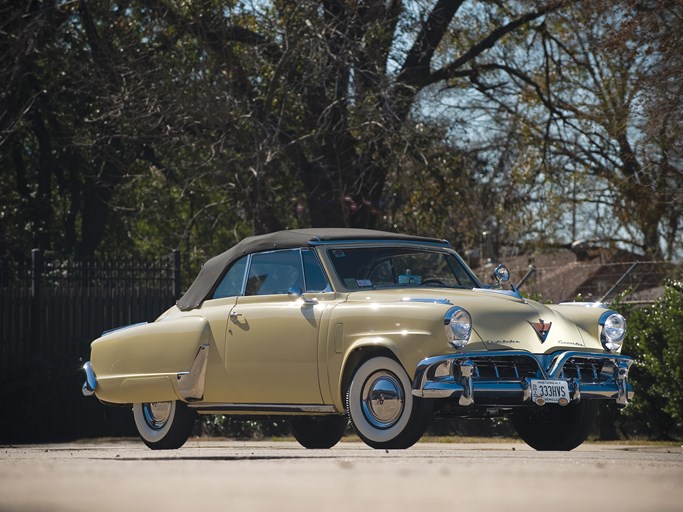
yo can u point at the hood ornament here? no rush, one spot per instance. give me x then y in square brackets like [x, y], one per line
[541, 328]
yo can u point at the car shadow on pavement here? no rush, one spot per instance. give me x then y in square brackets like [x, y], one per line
[226, 458]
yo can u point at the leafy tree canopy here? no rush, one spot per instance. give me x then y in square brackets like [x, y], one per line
[138, 126]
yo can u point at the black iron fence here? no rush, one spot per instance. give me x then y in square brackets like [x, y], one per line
[52, 308]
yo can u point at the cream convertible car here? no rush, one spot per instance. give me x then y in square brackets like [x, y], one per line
[382, 329]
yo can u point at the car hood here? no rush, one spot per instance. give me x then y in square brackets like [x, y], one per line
[501, 320]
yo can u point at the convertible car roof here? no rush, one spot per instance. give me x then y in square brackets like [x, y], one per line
[213, 269]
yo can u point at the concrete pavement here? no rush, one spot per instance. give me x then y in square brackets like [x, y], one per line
[253, 476]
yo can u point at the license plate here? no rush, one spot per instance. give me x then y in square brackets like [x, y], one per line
[550, 392]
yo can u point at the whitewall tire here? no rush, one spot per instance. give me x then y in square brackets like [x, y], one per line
[381, 407]
[164, 425]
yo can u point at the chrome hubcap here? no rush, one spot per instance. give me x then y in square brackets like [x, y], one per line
[382, 399]
[156, 414]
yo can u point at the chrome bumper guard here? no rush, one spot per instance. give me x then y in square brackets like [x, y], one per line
[604, 376]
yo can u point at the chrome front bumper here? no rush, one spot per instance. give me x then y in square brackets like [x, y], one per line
[502, 377]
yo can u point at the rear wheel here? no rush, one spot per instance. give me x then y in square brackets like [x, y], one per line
[553, 427]
[382, 409]
[318, 431]
[164, 425]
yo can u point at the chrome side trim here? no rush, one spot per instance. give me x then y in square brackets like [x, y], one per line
[90, 384]
[429, 301]
[510, 293]
[122, 328]
[585, 304]
[265, 408]
[190, 385]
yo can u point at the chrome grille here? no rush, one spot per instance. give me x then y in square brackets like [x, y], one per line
[505, 368]
[583, 370]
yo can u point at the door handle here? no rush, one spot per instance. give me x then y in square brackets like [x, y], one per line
[234, 315]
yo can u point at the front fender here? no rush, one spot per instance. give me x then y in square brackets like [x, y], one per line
[587, 320]
[350, 360]
[407, 347]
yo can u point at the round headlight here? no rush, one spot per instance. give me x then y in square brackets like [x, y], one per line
[458, 325]
[613, 331]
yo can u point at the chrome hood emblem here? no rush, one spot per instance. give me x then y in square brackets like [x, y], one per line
[541, 329]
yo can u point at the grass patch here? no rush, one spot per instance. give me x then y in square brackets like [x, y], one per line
[469, 439]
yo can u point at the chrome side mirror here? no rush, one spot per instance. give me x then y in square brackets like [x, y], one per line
[501, 274]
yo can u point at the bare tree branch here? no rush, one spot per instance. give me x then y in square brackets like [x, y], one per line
[489, 41]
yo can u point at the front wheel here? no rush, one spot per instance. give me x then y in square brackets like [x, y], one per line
[382, 409]
[164, 425]
[318, 431]
[553, 427]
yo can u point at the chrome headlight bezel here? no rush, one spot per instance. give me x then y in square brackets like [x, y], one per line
[612, 330]
[458, 327]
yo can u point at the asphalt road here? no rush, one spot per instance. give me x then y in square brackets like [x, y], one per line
[281, 476]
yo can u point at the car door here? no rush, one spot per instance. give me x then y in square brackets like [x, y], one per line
[216, 310]
[272, 337]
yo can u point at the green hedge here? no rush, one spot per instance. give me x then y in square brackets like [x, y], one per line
[655, 340]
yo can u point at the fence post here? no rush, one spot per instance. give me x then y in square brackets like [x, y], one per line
[35, 326]
[176, 274]
[36, 272]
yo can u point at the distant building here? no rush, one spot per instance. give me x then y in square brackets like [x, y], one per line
[587, 273]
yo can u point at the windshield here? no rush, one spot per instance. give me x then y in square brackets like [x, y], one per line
[394, 267]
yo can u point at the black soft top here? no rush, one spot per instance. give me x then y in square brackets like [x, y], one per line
[214, 268]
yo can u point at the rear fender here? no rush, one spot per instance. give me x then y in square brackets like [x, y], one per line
[161, 361]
